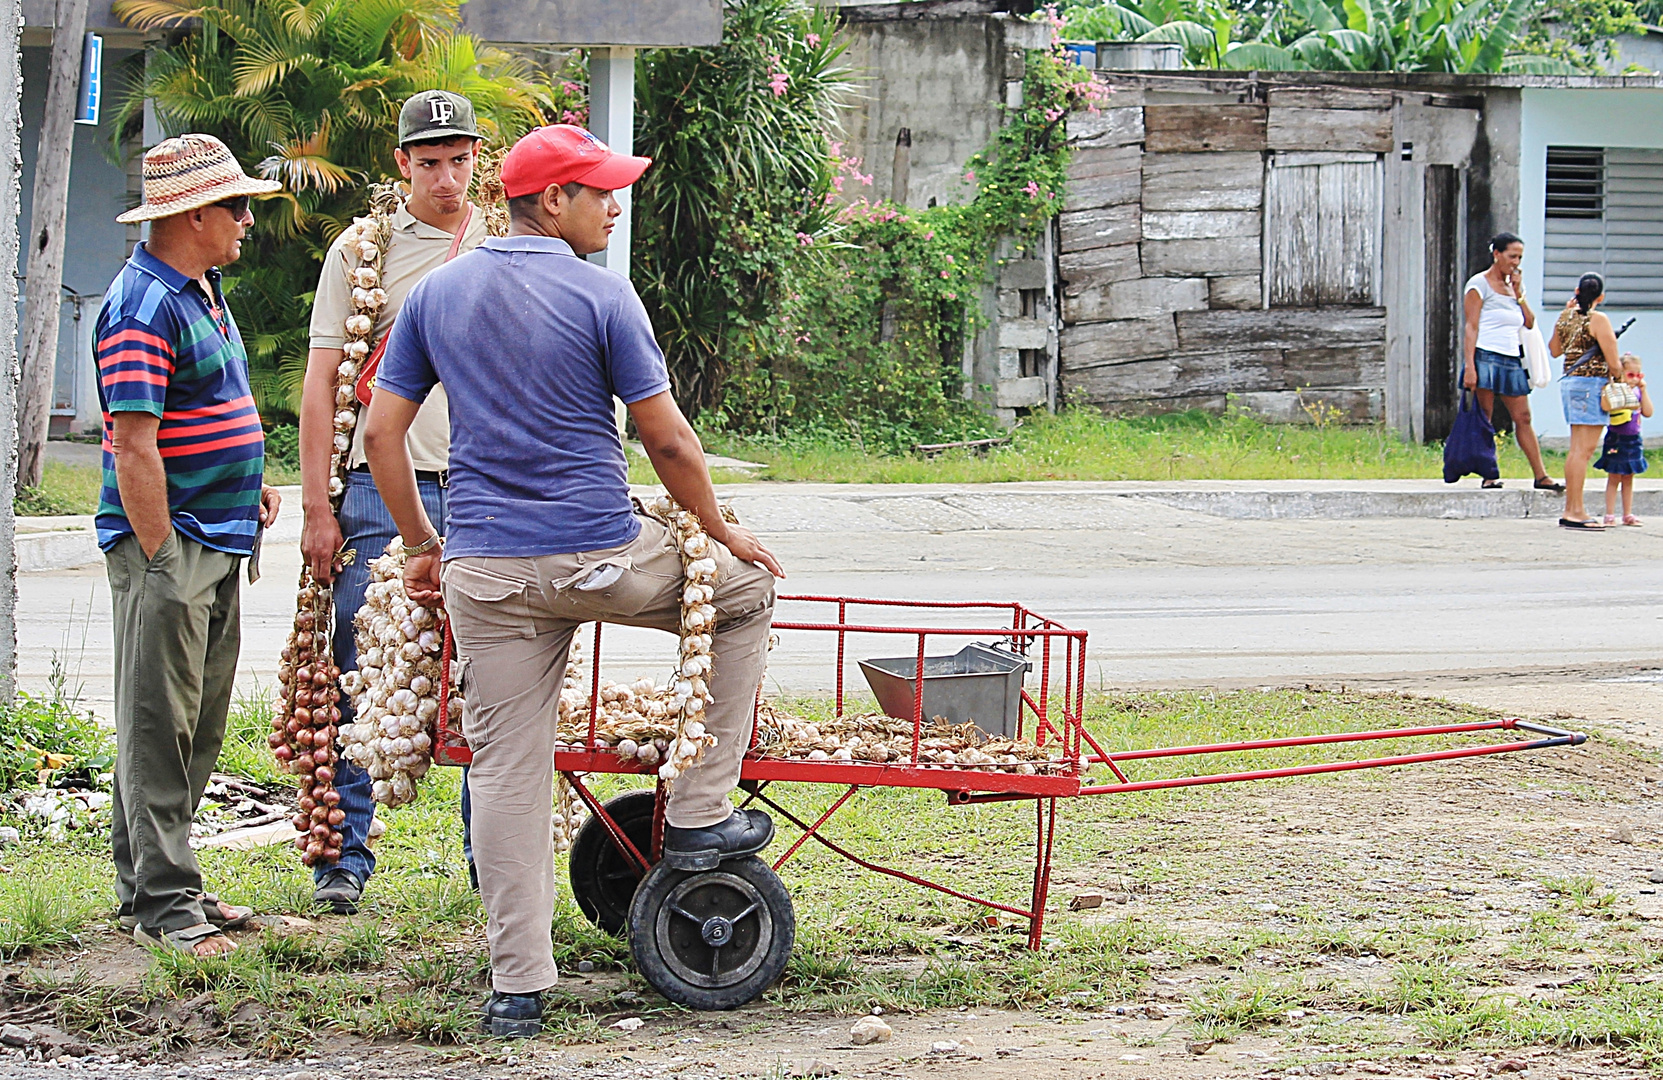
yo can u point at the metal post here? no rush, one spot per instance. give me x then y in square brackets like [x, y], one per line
[612, 119]
[11, 197]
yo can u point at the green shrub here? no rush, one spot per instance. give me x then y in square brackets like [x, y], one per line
[48, 734]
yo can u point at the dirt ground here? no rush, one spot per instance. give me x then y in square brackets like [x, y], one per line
[1474, 837]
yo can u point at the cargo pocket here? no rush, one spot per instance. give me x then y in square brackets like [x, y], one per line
[615, 587]
[487, 606]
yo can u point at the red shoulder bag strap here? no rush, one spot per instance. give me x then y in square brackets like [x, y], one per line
[366, 380]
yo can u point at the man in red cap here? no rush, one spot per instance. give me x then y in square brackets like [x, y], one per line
[532, 343]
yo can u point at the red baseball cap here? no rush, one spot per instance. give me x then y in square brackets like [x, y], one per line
[566, 154]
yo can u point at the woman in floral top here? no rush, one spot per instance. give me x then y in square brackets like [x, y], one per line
[1584, 337]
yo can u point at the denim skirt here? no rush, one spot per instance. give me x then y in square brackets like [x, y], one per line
[1503, 374]
[1580, 395]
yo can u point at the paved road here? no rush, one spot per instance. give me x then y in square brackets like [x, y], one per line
[1169, 596]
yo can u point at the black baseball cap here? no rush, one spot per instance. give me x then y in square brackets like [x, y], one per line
[436, 114]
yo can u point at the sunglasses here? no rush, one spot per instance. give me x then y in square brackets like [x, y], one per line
[237, 205]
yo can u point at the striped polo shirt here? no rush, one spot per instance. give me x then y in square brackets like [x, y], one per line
[167, 348]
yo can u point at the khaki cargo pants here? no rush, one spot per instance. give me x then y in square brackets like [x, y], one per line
[513, 619]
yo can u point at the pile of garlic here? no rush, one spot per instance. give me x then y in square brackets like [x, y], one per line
[881, 739]
[569, 812]
[364, 243]
[395, 691]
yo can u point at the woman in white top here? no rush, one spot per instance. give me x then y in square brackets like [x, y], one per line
[1496, 314]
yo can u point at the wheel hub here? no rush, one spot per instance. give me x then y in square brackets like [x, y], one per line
[716, 931]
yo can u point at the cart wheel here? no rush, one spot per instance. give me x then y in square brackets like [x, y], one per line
[603, 880]
[712, 939]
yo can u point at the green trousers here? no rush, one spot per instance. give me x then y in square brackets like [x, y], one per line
[177, 634]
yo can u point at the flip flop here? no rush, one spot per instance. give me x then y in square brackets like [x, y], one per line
[184, 941]
[1490, 485]
[211, 913]
[1550, 485]
[1588, 525]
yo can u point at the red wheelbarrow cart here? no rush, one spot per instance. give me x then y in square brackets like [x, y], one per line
[716, 939]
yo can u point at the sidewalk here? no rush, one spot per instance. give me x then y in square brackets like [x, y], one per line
[61, 543]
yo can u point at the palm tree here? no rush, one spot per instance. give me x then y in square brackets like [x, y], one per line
[308, 92]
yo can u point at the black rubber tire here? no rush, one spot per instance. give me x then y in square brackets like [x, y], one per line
[603, 880]
[742, 904]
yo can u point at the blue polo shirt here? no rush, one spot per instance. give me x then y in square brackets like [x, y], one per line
[531, 343]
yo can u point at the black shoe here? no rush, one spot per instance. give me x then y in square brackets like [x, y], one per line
[339, 890]
[745, 832]
[513, 1016]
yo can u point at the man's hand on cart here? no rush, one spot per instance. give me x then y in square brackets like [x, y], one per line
[744, 545]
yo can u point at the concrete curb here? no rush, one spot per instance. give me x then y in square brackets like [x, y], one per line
[65, 543]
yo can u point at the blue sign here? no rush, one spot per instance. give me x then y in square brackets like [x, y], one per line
[92, 80]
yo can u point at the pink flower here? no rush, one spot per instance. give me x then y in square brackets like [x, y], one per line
[930, 235]
[837, 184]
[950, 258]
[865, 178]
[777, 82]
[804, 239]
[945, 274]
[970, 176]
[1052, 114]
[952, 296]
[1032, 189]
[813, 41]
[570, 87]
[575, 117]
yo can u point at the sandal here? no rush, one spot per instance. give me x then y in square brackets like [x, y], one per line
[1630, 519]
[213, 911]
[1610, 519]
[1490, 485]
[184, 941]
[1586, 524]
[1547, 483]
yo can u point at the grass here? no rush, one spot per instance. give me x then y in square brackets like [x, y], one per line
[1080, 444]
[1077, 444]
[412, 966]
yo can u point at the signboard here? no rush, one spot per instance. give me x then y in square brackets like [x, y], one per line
[92, 80]
[644, 23]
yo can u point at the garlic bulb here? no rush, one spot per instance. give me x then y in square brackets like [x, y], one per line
[396, 701]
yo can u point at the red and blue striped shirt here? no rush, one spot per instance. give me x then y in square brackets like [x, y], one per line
[168, 348]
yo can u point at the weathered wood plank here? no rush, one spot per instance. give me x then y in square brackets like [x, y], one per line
[1238, 292]
[1233, 180]
[1360, 226]
[1103, 176]
[1085, 344]
[1089, 161]
[1140, 298]
[1107, 127]
[1201, 258]
[1329, 97]
[1358, 405]
[1363, 365]
[1199, 224]
[1191, 128]
[1022, 274]
[1290, 207]
[1213, 403]
[1178, 375]
[1103, 227]
[1329, 129]
[1097, 267]
[1281, 328]
[1332, 254]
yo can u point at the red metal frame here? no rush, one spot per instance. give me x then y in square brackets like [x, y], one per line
[1051, 717]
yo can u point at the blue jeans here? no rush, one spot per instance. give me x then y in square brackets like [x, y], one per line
[368, 529]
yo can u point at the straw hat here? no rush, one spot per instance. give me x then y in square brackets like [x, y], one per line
[188, 172]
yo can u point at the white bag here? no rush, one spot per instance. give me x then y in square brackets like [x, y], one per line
[1536, 359]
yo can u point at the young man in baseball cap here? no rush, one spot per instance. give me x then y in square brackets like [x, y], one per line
[542, 533]
[438, 142]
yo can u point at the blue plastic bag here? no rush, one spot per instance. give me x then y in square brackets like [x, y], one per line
[1471, 446]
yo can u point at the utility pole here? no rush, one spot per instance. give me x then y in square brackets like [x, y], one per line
[47, 215]
[11, 194]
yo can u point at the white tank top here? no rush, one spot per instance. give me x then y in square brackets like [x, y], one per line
[1499, 321]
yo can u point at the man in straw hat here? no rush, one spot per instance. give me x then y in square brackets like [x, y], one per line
[531, 343]
[183, 503]
[438, 142]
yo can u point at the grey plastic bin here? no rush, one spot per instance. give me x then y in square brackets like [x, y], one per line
[979, 683]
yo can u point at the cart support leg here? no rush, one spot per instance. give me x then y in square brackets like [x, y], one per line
[1045, 835]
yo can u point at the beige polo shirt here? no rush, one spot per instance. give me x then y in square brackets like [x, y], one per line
[415, 248]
